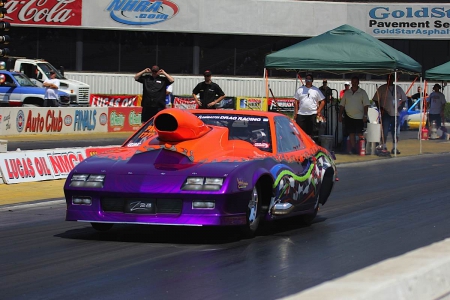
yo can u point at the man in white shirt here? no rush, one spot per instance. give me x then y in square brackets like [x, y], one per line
[51, 91]
[385, 98]
[308, 106]
[436, 102]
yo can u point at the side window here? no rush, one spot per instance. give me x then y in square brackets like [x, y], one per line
[27, 69]
[287, 135]
[8, 81]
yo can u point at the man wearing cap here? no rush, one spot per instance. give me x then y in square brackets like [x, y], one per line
[326, 91]
[51, 90]
[346, 88]
[436, 102]
[210, 92]
[356, 104]
[385, 98]
[308, 106]
[154, 81]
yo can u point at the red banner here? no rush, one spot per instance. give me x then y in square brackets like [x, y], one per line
[116, 101]
[281, 104]
[44, 12]
[124, 118]
[185, 103]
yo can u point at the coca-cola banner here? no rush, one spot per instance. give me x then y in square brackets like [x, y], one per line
[124, 118]
[44, 12]
[115, 100]
[281, 104]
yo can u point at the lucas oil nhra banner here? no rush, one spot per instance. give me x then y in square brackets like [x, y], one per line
[28, 166]
[98, 100]
[39, 165]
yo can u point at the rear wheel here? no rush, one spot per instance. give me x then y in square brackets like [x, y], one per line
[254, 214]
[102, 226]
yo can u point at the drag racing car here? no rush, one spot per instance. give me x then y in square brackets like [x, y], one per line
[204, 168]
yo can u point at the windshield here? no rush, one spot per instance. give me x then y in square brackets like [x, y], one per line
[23, 80]
[252, 129]
[46, 68]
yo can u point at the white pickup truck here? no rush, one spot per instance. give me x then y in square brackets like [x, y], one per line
[38, 71]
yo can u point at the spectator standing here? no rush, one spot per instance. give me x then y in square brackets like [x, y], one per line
[415, 97]
[51, 90]
[436, 109]
[385, 98]
[154, 82]
[346, 88]
[169, 96]
[308, 106]
[326, 90]
[210, 92]
[356, 103]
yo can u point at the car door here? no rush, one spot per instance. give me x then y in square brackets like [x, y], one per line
[294, 184]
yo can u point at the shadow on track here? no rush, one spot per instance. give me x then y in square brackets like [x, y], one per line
[183, 235]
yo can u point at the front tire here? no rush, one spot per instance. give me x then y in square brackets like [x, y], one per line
[254, 213]
[102, 226]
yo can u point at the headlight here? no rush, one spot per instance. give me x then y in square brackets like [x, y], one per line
[76, 200]
[203, 204]
[87, 180]
[202, 184]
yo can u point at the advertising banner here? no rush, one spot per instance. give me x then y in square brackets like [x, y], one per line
[124, 118]
[249, 103]
[48, 12]
[383, 19]
[281, 104]
[184, 103]
[30, 120]
[115, 100]
[27, 166]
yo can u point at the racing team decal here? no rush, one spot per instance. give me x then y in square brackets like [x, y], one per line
[143, 12]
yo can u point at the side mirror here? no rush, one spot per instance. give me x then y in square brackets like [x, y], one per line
[61, 70]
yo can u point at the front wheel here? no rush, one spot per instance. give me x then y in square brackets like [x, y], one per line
[102, 226]
[254, 214]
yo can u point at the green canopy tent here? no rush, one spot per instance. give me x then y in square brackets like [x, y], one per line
[342, 50]
[439, 73]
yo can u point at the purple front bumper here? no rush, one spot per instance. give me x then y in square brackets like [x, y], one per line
[229, 210]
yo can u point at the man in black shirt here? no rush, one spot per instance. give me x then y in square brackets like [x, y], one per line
[210, 92]
[154, 91]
